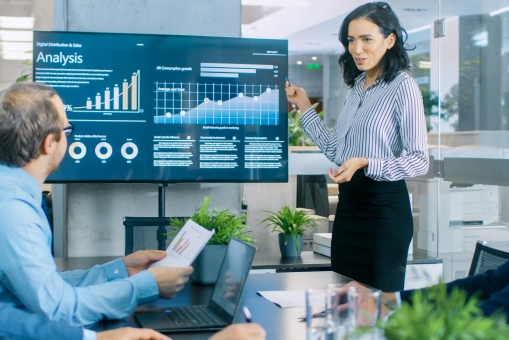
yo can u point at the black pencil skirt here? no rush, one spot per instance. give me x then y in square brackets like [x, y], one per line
[372, 232]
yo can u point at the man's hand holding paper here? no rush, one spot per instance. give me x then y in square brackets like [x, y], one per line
[173, 271]
[170, 280]
[186, 246]
[141, 260]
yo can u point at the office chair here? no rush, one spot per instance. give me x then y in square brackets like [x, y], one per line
[486, 258]
[151, 233]
[312, 193]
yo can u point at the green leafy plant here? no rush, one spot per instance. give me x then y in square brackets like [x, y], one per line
[289, 221]
[226, 224]
[296, 136]
[26, 74]
[448, 106]
[437, 315]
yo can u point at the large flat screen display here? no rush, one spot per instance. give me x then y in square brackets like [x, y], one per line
[162, 108]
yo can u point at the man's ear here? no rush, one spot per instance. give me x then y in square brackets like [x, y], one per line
[48, 145]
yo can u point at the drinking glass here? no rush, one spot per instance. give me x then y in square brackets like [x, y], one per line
[318, 326]
[337, 310]
[364, 313]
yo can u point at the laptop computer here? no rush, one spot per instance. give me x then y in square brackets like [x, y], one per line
[223, 303]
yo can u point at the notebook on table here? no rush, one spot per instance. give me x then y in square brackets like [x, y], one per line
[223, 303]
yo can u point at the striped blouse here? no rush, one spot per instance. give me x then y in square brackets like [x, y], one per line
[385, 124]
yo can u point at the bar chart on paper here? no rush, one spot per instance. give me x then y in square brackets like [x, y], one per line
[216, 104]
[121, 97]
[188, 243]
[181, 245]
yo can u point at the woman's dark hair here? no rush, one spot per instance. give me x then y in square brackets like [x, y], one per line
[394, 60]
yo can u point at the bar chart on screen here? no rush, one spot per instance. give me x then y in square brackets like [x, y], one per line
[122, 97]
[216, 103]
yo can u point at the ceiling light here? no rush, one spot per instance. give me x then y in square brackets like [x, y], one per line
[418, 29]
[277, 3]
[299, 62]
[16, 35]
[17, 22]
[15, 55]
[480, 39]
[424, 64]
[414, 9]
[499, 11]
[15, 46]
[314, 58]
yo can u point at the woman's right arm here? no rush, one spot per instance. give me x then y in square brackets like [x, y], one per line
[315, 129]
[312, 124]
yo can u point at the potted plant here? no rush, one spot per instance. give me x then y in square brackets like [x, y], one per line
[438, 315]
[226, 225]
[291, 225]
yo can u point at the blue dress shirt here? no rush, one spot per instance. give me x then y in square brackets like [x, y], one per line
[28, 274]
[16, 324]
[493, 287]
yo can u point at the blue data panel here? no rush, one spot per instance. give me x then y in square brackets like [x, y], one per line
[160, 108]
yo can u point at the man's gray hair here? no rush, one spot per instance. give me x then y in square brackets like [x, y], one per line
[27, 116]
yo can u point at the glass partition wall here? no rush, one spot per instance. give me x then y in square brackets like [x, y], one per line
[460, 59]
[471, 142]
[418, 18]
[461, 63]
[17, 21]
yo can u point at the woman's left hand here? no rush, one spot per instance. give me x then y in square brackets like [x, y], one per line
[345, 172]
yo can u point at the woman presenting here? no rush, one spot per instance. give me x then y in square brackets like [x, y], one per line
[380, 140]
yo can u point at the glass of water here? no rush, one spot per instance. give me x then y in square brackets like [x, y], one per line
[364, 313]
[337, 310]
[318, 326]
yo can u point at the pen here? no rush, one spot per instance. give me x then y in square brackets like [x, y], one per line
[247, 314]
[316, 315]
[288, 80]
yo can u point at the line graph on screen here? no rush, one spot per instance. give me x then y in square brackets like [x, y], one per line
[216, 104]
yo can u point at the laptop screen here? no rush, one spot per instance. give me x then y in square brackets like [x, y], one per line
[232, 277]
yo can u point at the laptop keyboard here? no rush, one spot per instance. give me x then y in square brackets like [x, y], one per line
[193, 316]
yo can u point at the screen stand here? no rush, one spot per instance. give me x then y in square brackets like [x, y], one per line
[161, 231]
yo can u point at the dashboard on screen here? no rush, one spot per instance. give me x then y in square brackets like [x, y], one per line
[163, 108]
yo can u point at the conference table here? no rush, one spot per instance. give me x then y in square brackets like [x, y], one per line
[310, 270]
[264, 260]
[279, 323]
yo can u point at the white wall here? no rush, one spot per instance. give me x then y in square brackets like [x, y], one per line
[196, 17]
[96, 211]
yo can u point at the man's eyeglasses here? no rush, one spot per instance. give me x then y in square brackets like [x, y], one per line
[69, 129]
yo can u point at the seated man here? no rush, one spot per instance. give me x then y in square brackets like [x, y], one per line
[493, 286]
[33, 130]
[17, 324]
